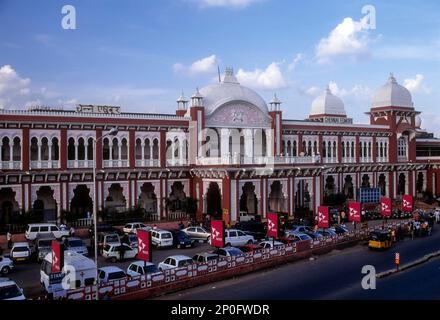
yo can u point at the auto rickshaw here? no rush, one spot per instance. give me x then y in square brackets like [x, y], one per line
[380, 239]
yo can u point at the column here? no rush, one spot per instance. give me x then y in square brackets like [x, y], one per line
[142, 153]
[39, 154]
[181, 143]
[173, 150]
[248, 145]
[76, 144]
[151, 153]
[119, 154]
[11, 159]
[224, 148]
[49, 145]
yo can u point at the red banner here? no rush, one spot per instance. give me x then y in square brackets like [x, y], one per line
[323, 217]
[272, 225]
[386, 207]
[144, 245]
[57, 257]
[407, 203]
[354, 211]
[217, 233]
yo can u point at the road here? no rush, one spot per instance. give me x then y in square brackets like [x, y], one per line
[334, 276]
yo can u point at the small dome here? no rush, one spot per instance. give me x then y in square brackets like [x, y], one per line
[392, 94]
[217, 95]
[328, 104]
[418, 122]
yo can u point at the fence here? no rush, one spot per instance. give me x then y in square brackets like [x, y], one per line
[146, 286]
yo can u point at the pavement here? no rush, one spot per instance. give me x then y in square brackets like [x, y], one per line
[336, 275]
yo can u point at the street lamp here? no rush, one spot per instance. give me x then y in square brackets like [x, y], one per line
[112, 132]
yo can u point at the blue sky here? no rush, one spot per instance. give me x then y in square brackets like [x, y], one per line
[142, 54]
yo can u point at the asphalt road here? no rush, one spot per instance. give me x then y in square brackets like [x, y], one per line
[27, 275]
[334, 276]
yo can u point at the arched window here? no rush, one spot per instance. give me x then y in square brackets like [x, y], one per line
[34, 149]
[71, 149]
[90, 147]
[343, 149]
[55, 149]
[324, 149]
[352, 149]
[147, 148]
[138, 149]
[81, 149]
[294, 149]
[156, 149]
[16, 150]
[401, 147]
[106, 149]
[115, 149]
[264, 143]
[124, 149]
[44, 149]
[335, 151]
[176, 148]
[6, 150]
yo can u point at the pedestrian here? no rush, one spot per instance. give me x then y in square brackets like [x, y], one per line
[72, 231]
[411, 230]
[122, 252]
[9, 239]
[154, 226]
[88, 214]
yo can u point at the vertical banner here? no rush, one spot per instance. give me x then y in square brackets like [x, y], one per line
[272, 225]
[386, 207]
[407, 203]
[323, 217]
[217, 233]
[57, 257]
[354, 211]
[144, 245]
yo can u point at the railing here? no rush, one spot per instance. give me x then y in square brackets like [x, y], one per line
[45, 164]
[177, 216]
[256, 160]
[176, 162]
[381, 159]
[10, 165]
[115, 163]
[330, 160]
[348, 160]
[147, 163]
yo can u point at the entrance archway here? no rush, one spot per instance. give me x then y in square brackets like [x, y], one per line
[177, 198]
[401, 186]
[214, 201]
[303, 200]
[276, 197]
[9, 207]
[148, 199]
[81, 202]
[45, 206]
[382, 184]
[330, 187]
[366, 181]
[115, 201]
[348, 187]
[249, 200]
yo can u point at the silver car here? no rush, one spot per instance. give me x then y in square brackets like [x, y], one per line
[76, 245]
[197, 233]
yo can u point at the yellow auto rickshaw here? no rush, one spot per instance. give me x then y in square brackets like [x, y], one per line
[380, 239]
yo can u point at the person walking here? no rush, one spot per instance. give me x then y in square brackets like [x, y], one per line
[9, 239]
[72, 231]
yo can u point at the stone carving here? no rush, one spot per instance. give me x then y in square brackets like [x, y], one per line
[238, 114]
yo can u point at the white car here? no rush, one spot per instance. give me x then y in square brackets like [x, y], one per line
[9, 290]
[237, 238]
[109, 274]
[197, 233]
[21, 251]
[297, 236]
[6, 265]
[134, 226]
[113, 252]
[76, 245]
[140, 268]
[162, 238]
[35, 230]
[175, 262]
[270, 244]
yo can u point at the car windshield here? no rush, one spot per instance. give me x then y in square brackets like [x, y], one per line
[9, 292]
[107, 248]
[116, 275]
[21, 249]
[166, 236]
[150, 269]
[44, 243]
[186, 262]
[112, 238]
[76, 243]
[235, 252]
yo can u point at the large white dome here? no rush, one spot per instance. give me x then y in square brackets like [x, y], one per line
[328, 104]
[229, 90]
[392, 94]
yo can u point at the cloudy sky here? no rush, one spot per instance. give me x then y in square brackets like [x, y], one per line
[141, 55]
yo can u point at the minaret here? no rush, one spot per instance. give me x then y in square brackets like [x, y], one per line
[275, 104]
[277, 117]
[182, 105]
[197, 99]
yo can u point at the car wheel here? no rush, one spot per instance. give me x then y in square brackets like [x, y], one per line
[114, 260]
[250, 242]
[6, 270]
[228, 245]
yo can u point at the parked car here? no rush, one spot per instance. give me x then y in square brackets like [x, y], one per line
[43, 246]
[268, 244]
[181, 240]
[6, 265]
[197, 233]
[204, 257]
[113, 252]
[256, 229]
[314, 235]
[228, 252]
[107, 238]
[339, 229]
[175, 262]
[35, 230]
[76, 245]
[327, 232]
[21, 251]
[300, 229]
[103, 228]
[109, 274]
[295, 237]
[249, 247]
[162, 238]
[9, 290]
[236, 238]
[134, 226]
[139, 268]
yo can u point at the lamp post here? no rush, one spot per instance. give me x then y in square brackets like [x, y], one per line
[112, 132]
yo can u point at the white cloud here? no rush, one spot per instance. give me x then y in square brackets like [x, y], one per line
[11, 82]
[416, 85]
[203, 66]
[298, 58]
[235, 4]
[350, 37]
[357, 91]
[269, 79]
